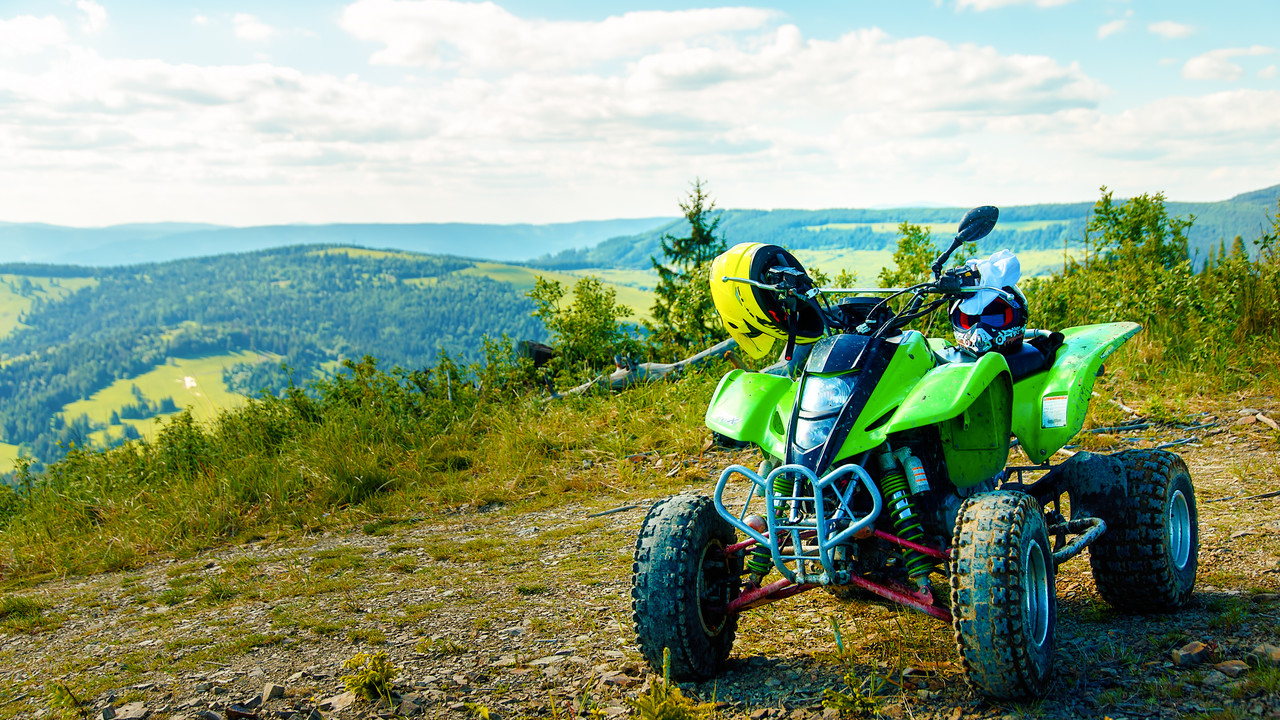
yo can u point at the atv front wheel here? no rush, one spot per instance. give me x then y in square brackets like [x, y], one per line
[1148, 562]
[1003, 602]
[682, 584]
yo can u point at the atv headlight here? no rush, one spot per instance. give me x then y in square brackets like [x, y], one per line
[824, 395]
[812, 433]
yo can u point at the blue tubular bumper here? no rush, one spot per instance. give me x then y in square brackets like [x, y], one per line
[798, 517]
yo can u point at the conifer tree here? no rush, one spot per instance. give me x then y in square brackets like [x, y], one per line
[683, 313]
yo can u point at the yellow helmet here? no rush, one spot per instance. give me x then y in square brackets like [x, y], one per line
[755, 317]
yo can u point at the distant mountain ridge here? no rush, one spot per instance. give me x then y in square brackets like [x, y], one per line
[1021, 227]
[622, 243]
[38, 243]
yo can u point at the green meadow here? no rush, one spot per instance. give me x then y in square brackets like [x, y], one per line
[627, 283]
[193, 383]
[18, 292]
[867, 263]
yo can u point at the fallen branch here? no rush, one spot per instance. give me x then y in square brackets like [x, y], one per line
[1263, 496]
[1175, 443]
[611, 511]
[1119, 404]
[1120, 428]
[650, 372]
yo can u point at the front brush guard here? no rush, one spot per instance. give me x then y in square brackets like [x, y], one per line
[830, 527]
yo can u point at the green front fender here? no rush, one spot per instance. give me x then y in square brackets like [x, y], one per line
[1049, 408]
[947, 390]
[752, 407]
[969, 403]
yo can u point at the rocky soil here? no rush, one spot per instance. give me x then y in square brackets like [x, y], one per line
[488, 612]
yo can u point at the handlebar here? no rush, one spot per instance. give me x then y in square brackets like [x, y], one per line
[797, 289]
[779, 288]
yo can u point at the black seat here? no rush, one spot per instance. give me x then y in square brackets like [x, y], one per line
[1026, 360]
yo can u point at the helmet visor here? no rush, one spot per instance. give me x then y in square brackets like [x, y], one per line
[998, 314]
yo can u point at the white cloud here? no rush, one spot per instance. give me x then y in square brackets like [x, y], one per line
[1217, 65]
[95, 16]
[980, 5]
[773, 117]
[1170, 29]
[1267, 72]
[251, 28]
[199, 19]
[1111, 28]
[865, 102]
[439, 33]
[25, 35]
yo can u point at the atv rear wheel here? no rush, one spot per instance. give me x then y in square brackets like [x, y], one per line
[1148, 561]
[682, 584]
[1003, 601]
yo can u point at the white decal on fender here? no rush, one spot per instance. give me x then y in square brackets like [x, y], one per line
[1053, 413]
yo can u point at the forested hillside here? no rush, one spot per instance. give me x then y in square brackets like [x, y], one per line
[1022, 227]
[311, 306]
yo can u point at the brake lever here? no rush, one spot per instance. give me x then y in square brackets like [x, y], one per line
[753, 283]
[956, 280]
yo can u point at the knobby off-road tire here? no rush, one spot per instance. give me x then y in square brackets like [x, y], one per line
[1003, 603]
[681, 584]
[1147, 562]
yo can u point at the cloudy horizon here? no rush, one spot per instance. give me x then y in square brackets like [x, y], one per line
[528, 111]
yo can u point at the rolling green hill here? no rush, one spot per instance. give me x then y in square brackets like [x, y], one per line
[90, 356]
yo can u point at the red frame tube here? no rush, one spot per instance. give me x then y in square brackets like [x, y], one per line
[771, 593]
[901, 542]
[912, 600]
[783, 589]
[923, 549]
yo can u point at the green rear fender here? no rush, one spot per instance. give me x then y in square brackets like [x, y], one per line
[1049, 408]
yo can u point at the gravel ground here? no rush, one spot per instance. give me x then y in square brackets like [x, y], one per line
[491, 612]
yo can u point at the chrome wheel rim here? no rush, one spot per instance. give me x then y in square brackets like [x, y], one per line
[1036, 593]
[1179, 529]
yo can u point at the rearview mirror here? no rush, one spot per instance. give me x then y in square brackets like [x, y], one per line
[977, 223]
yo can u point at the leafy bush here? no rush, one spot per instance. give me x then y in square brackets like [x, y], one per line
[1220, 324]
[587, 332]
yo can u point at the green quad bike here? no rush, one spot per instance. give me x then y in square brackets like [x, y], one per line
[885, 471]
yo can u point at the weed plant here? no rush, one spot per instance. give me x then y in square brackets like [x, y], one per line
[370, 676]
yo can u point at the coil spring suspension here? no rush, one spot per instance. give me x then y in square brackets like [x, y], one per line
[760, 561]
[893, 484]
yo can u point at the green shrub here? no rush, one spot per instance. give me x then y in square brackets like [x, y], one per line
[1220, 325]
[370, 675]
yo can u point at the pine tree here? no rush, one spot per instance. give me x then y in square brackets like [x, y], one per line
[683, 313]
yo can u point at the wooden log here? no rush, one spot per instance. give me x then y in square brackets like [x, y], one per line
[652, 372]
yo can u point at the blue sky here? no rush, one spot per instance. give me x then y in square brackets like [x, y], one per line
[541, 111]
